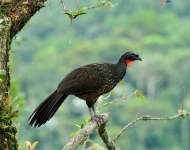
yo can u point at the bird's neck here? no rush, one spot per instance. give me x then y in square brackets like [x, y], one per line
[121, 67]
[121, 63]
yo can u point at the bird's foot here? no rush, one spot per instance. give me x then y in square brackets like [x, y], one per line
[98, 119]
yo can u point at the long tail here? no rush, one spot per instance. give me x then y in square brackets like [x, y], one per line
[47, 109]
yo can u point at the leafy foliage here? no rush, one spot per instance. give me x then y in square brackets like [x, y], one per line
[85, 122]
[74, 14]
[2, 75]
[7, 107]
[140, 95]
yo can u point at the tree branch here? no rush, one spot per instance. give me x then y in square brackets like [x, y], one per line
[117, 100]
[183, 114]
[101, 4]
[127, 126]
[105, 138]
[19, 12]
[82, 135]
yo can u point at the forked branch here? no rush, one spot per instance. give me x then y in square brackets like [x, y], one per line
[79, 138]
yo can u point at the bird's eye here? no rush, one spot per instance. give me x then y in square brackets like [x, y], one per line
[134, 55]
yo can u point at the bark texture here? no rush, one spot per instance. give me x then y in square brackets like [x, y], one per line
[7, 131]
[80, 138]
[14, 14]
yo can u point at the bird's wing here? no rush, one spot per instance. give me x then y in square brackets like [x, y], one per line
[83, 80]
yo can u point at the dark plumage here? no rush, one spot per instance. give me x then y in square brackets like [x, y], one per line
[88, 83]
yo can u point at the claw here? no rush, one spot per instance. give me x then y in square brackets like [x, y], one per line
[98, 119]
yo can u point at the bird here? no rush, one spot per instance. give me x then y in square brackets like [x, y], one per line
[88, 82]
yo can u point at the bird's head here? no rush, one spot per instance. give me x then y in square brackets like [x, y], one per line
[130, 57]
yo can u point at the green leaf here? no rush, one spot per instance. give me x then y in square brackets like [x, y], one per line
[85, 121]
[15, 108]
[77, 125]
[82, 9]
[69, 14]
[140, 95]
[73, 133]
[74, 14]
[14, 114]
[13, 100]
[10, 108]
[2, 75]
[121, 83]
[82, 125]
[2, 72]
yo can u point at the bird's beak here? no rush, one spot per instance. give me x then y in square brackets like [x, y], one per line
[138, 58]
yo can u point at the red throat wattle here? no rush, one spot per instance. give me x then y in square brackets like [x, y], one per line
[129, 62]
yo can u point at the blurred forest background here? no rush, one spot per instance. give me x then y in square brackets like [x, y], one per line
[47, 49]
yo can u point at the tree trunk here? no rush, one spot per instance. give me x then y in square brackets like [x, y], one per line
[14, 14]
[7, 131]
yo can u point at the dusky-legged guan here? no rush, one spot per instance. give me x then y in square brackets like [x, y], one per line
[88, 83]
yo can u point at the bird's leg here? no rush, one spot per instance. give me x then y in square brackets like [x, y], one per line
[90, 110]
[94, 111]
[93, 118]
[97, 118]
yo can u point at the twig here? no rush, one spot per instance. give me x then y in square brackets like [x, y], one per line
[117, 100]
[127, 126]
[64, 8]
[99, 5]
[182, 101]
[109, 94]
[82, 135]
[183, 114]
[86, 8]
